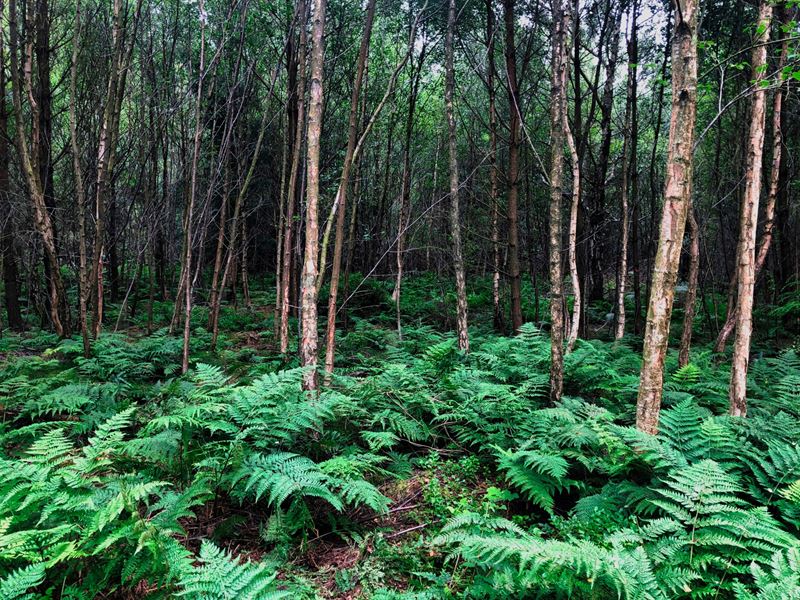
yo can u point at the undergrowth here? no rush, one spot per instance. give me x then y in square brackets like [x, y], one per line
[420, 472]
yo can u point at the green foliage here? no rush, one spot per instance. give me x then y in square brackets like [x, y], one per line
[440, 474]
[220, 577]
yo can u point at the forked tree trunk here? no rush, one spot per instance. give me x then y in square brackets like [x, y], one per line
[455, 217]
[746, 250]
[558, 103]
[512, 175]
[308, 285]
[677, 199]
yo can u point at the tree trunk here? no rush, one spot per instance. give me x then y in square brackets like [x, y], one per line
[677, 198]
[573, 237]
[772, 196]
[309, 340]
[80, 190]
[512, 175]
[628, 164]
[746, 250]
[188, 239]
[28, 153]
[691, 292]
[455, 217]
[493, 175]
[557, 120]
[404, 212]
[7, 253]
[344, 182]
[651, 245]
[597, 216]
[294, 176]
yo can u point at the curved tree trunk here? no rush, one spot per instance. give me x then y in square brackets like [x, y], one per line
[677, 198]
[28, 153]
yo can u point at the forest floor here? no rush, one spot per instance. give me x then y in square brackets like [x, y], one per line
[420, 472]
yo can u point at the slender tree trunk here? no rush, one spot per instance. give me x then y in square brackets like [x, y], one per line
[772, 195]
[746, 251]
[597, 217]
[220, 247]
[404, 213]
[189, 216]
[455, 217]
[512, 175]
[7, 253]
[28, 153]
[80, 190]
[677, 199]
[493, 175]
[653, 172]
[628, 164]
[558, 107]
[245, 272]
[344, 182]
[691, 292]
[294, 176]
[44, 101]
[309, 340]
[573, 237]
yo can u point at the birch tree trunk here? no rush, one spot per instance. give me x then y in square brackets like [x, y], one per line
[746, 249]
[308, 289]
[691, 292]
[677, 199]
[557, 120]
[455, 217]
[772, 194]
[572, 257]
